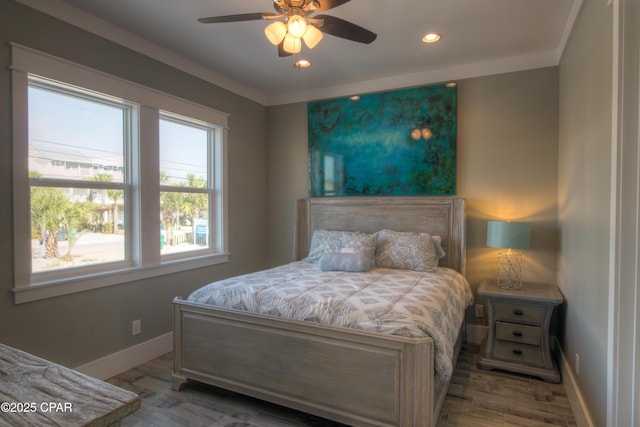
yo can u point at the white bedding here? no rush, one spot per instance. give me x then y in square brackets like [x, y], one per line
[398, 302]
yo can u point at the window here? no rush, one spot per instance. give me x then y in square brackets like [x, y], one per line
[77, 142]
[113, 181]
[185, 184]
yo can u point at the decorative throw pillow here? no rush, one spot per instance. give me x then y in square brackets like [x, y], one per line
[437, 241]
[356, 262]
[406, 251]
[324, 241]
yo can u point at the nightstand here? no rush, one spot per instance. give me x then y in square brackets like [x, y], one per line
[519, 321]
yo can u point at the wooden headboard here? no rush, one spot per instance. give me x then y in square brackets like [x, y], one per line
[442, 216]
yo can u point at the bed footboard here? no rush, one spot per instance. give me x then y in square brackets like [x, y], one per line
[349, 376]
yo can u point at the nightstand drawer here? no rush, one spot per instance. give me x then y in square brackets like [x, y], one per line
[518, 333]
[524, 313]
[521, 353]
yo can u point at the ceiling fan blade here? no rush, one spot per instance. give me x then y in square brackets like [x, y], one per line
[281, 52]
[329, 4]
[345, 29]
[237, 18]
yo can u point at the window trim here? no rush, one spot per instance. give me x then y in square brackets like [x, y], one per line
[213, 182]
[26, 61]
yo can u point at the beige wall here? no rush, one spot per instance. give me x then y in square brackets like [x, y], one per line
[584, 197]
[83, 327]
[507, 167]
[287, 177]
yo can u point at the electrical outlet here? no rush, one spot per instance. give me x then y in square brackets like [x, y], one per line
[479, 310]
[136, 327]
[577, 364]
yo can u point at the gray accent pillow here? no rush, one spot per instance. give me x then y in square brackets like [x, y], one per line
[324, 241]
[437, 241]
[355, 262]
[406, 251]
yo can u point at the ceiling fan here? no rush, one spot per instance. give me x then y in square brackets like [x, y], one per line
[299, 25]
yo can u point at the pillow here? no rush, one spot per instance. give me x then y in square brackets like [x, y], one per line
[406, 251]
[324, 241]
[437, 241]
[356, 262]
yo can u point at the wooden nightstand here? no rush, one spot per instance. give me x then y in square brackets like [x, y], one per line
[519, 321]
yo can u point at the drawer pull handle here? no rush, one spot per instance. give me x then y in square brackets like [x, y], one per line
[517, 333]
[518, 312]
[517, 352]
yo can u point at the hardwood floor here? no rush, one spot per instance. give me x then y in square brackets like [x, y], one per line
[476, 398]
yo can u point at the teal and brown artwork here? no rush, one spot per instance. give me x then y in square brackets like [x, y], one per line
[390, 143]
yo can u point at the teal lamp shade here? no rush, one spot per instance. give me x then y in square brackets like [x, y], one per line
[509, 235]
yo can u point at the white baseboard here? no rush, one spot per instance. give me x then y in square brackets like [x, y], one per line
[121, 361]
[578, 405]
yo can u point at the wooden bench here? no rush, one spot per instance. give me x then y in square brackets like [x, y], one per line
[34, 391]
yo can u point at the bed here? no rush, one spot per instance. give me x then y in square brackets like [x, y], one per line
[354, 376]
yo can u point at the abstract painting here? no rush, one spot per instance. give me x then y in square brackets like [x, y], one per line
[399, 142]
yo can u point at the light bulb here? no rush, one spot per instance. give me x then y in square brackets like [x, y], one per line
[297, 26]
[302, 63]
[426, 133]
[431, 38]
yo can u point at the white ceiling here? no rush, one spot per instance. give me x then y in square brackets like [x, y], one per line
[479, 37]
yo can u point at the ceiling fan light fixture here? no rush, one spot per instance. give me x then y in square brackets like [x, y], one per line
[275, 32]
[295, 21]
[312, 37]
[292, 44]
[297, 26]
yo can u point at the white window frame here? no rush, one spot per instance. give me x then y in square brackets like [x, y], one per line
[145, 259]
[210, 190]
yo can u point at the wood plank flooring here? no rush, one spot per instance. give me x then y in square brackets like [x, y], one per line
[476, 398]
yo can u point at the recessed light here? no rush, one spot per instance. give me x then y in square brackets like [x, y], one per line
[354, 97]
[302, 63]
[431, 38]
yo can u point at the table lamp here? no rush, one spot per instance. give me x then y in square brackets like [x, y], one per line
[509, 236]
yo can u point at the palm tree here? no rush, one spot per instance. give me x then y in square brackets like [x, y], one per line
[77, 213]
[51, 209]
[169, 204]
[48, 206]
[194, 203]
[114, 195]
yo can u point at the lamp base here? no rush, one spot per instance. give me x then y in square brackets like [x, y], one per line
[509, 270]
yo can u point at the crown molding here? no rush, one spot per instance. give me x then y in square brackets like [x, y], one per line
[106, 30]
[102, 28]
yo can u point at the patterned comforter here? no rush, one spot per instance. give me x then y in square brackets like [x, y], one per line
[398, 302]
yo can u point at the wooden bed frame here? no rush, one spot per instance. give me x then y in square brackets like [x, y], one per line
[350, 376]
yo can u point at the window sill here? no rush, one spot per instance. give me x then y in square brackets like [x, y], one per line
[40, 291]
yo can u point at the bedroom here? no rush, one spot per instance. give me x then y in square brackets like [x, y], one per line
[564, 167]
